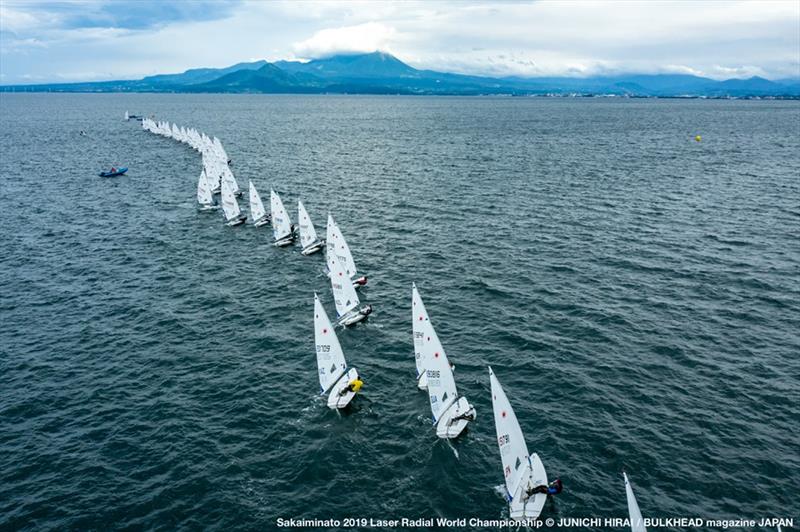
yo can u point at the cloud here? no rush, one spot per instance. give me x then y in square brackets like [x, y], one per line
[362, 38]
[128, 39]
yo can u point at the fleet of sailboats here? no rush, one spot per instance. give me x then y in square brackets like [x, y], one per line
[524, 473]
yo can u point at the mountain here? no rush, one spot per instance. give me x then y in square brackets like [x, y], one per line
[382, 73]
[200, 75]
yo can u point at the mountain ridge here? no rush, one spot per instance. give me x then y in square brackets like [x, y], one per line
[383, 73]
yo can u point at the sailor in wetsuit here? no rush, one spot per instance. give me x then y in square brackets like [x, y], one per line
[554, 488]
[354, 386]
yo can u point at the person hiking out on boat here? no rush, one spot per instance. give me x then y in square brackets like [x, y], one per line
[354, 386]
[366, 311]
[468, 415]
[113, 169]
[554, 488]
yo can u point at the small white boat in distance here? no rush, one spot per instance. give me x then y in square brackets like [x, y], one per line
[308, 235]
[334, 375]
[451, 413]
[337, 245]
[204, 197]
[282, 228]
[127, 116]
[257, 211]
[345, 297]
[637, 523]
[230, 206]
[522, 472]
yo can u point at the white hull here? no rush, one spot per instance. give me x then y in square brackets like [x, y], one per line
[236, 221]
[285, 241]
[209, 208]
[447, 428]
[521, 508]
[313, 248]
[261, 222]
[351, 319]
[335, 397]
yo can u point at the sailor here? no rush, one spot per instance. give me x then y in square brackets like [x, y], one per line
[554, 488]
[468, 415]
[113, 169]
[366, 311]
[361, 281]
[354, 386]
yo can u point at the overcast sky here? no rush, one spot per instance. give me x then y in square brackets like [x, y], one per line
[80, 40]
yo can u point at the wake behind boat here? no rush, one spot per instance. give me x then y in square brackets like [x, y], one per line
[340, 382]
[308, 235]
[524, 474]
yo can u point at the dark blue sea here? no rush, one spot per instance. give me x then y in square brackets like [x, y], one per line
[636, 292]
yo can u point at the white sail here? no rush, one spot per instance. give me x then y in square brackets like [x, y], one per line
[204, 196]
[513, 450]
[344, 295]
[127, 117]
[418, 324]
[637, 523]
[441, 384]
[336, 243]
[257, 210]
[227, 175]
[229, 204]
[308, 235]
[330, 357]
[281, 225]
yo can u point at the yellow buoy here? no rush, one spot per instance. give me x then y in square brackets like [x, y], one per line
[698, 138]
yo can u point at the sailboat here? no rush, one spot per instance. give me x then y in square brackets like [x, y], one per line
[345, 297]
[227, 175]
[334, 375]
[257, 211]
[282, 227]
[204, 197]
[308, 235]
[451, 413]
[230, 206]
[637, 523]
[522, 472]
[337, 245]
[127, 116]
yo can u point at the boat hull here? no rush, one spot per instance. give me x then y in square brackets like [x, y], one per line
[449, 428]
[119, 172]
[237, 221]
[313, 248]
[261, 222]
[519, 508]
[286, 241]
[337, 400]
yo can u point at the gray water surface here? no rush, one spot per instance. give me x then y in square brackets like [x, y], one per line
[636, 292]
